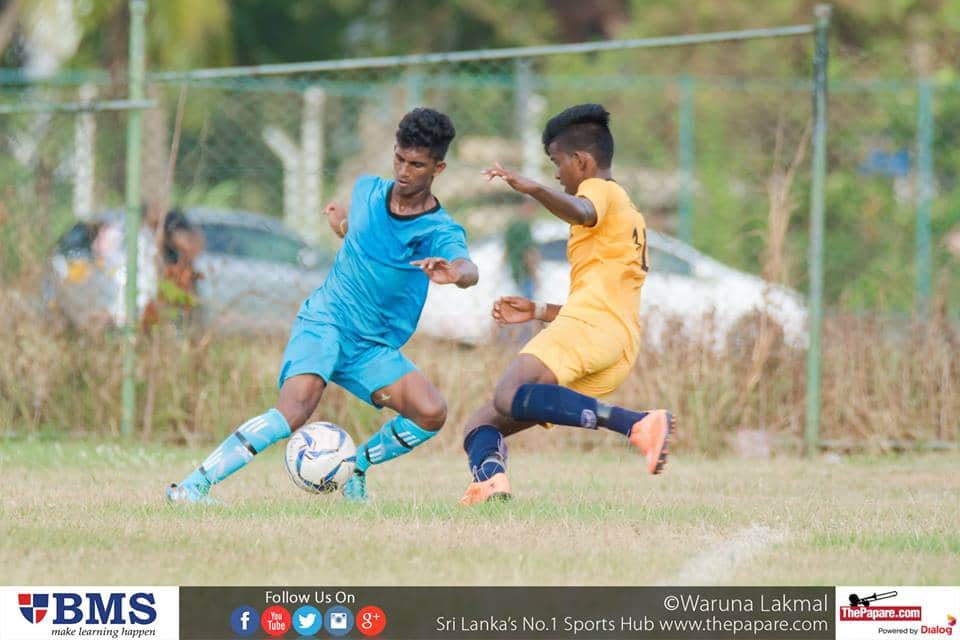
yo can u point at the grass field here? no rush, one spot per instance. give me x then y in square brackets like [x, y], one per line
[83, 513]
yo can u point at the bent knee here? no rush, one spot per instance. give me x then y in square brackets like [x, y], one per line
[296, 413]
[299, 398]
[503, 400]
[431, 415]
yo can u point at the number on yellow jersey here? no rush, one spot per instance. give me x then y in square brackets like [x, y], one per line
[641, 247]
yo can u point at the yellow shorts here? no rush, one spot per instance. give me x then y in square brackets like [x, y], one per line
[584, 358]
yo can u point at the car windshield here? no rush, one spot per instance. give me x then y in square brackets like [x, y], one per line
[78, 239]
[660, 261]
[252, 243]
[555, 250]
[663, 262]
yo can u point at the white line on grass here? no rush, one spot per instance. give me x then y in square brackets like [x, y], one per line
[717, 564]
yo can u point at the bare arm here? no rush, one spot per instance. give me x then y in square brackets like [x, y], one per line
[469, 274]
[551, 312]
[460, 272]
[517, 309]
[570, 209]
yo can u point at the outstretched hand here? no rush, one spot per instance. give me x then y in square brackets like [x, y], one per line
[513, 310]
[439, 270]
[516, 181]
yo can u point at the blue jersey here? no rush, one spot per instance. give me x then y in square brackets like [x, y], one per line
[372, 291]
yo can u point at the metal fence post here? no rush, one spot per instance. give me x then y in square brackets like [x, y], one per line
[84, 145]
[528, 107]
[924, 193]
[521, 103]
[138, 10]
[687, 158]
[311, 162]
[414, 89]
[819, 160]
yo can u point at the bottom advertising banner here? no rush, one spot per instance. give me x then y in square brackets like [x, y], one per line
[708, 613]
[131, 613]
[924, 613]
[211, 613]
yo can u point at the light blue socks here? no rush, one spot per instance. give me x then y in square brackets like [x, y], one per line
[250, 438]
[395, 438]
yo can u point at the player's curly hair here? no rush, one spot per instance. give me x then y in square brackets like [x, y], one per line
[427, 129]
[584, 127]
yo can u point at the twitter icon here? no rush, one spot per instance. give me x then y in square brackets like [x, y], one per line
[307, 620]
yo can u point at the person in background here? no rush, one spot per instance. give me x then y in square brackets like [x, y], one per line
[181, 243]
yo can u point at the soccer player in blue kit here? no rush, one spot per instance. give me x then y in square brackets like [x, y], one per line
[396, 239]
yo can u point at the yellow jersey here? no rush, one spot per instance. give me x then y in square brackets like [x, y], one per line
[608, 263]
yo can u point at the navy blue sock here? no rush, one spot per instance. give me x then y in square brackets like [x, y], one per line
[621, 420]
[559, 405]
[487, 452]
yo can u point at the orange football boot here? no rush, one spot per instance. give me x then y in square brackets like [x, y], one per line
[496, 488]
[651, 436]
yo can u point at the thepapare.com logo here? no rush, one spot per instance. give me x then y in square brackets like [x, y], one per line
[100, 610]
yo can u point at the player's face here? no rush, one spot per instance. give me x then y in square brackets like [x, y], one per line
[568, 171]
[414, 170]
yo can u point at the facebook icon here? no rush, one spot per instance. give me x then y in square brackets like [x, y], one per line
[244, 621]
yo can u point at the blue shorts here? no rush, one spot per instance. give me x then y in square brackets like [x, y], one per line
[359, 366]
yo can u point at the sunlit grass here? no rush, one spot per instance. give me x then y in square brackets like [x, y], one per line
[75, 512]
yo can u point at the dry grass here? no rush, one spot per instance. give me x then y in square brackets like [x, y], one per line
[90, 511]
[882, 383]
[76, 512]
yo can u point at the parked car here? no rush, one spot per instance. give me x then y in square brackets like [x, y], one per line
[682, 285]
[255, 272]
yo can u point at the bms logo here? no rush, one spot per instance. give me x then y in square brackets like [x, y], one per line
[89, 608]
[33, 606]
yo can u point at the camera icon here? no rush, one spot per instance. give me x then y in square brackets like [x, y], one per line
[338, 621]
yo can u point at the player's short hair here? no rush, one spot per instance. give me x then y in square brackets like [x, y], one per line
[427, 129]
[584, 127]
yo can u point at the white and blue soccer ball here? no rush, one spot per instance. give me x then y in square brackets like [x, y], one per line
[320, 457]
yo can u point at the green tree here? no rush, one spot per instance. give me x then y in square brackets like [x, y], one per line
[180, 34]
[266, 31]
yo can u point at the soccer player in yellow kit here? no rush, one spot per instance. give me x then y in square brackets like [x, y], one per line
[592, 341]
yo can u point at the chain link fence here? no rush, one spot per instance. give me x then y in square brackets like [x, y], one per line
[699, 155]
[722, 162]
